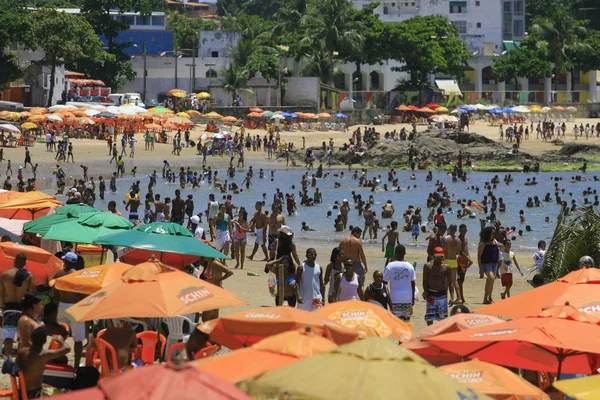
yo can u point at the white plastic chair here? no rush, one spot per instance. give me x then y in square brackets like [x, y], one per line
[117, 322]
[175, 325]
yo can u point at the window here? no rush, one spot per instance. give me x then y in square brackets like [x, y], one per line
[477, 3]
[507, 30]
[506, 6]
[158, 20]
[458, 7]
[519, 7]
[385, 10]
[461, 26]
[127, 19]
[141, 20]
[479, 24]
[211, 73]
[214, 54]
[518, 29]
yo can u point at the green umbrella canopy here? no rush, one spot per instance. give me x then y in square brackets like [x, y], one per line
[161, 237]
[88, 227]
[62, 214]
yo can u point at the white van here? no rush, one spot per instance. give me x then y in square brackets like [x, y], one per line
[119, 99]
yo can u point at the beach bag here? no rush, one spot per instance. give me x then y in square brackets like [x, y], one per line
[272, 280]
[86, 377]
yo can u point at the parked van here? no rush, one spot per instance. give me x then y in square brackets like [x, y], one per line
[119, 99]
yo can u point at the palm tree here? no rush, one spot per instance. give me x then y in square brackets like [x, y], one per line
[234, 79]
[575, 236]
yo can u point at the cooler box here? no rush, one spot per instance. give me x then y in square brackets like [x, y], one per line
[91, 254]
[59, 376]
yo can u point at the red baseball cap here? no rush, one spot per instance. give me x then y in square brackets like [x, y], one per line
[438, 252]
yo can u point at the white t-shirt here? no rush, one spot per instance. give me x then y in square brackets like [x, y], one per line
[199, 232]
[508, 260]
[538, 257]
[399, 275]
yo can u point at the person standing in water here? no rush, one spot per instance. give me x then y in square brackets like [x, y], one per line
[393, 239]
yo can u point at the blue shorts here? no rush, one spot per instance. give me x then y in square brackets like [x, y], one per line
[436, 308]
[415, 229]
[489, 267]
[402, 311]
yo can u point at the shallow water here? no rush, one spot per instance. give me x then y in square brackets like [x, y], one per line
[315, 216]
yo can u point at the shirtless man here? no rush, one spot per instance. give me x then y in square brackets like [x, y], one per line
[464, 261]
[436, 279]
[177, 214]
[352, 247]
[132, 206]
[344, 210]
[124, 341]
[14, 284]
[276, 221]
[215, 272]
[67, 299]
[159, 208]
[32, 306]
[212, 209]
[32, 360]
[436, 240]
[452, 247]
[259, 223]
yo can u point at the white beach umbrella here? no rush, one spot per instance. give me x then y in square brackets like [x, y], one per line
[9, 127]
[91, 113]
[55, 118]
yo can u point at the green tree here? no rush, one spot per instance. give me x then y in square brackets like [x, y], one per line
[234, 79]
[15, 27]
[185, 30]
[527, 61]
[63, 37]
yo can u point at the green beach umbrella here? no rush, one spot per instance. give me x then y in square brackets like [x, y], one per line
[268, 114]
[88, 227]
[62, 214]
[161, 237]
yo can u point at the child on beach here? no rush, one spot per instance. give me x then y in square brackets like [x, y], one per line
[393, 241]
[113, 183]
[507, 259]
[538, 256]
[101, 187]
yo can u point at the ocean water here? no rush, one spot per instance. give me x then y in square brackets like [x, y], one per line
[515, 197]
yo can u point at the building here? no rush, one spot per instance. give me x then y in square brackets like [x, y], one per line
[204, 10]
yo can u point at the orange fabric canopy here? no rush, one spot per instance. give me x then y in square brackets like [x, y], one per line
[560, 339]
[266, 355]
[455, 323]
[91, 279]
[402, 108]
[172, 293]
[493, 380]
[426, 110]
[42, 264]
[245, 328]
[28, 206]
[366, 319]
[581, 288]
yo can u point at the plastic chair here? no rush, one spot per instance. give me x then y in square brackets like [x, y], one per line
[208, 351]
[102, 347]
[149, 339]
[18, 389]
[175, 325]
[177, 347]
[91, 355]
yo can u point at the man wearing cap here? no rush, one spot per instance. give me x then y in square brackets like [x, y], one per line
[14, 284]
[437, 276]
[67, 299]
[352, 247]
[344, 210]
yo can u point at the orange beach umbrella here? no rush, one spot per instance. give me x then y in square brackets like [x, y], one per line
[456, 323]
[244, 328]
[493, 380]
[42, 264]
[367, 319]
[402, 108]
[581, 288]
[172, 293]
[29, 206]
[426, 110]
[91, 279]
[560, 339]
[271, 353]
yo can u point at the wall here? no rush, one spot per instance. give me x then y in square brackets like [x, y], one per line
[157, 41]
[219, 41]
[302, 92]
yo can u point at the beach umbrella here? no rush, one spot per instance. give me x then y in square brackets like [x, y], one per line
[356, 371]
[13, 116]
[92, 112]
[403, 108]
[152, 126]
[367, 319]
[441, 109]
[193, 113]
[580, 288]
[25, 114]
[294, 115]
[508, 110]
[55, 118]
[91, 279]
[28, 125]
[160, 237]
[493, 380]
[160, 110]
[467, 108]
[572, 109]
[267, 114]
[203, 95]
[176, 93]
[324, 115]
[61, 107]
[340, 115]
[277, 116]
[42, 264]
[268, 354]
[38, 110]
[455, 323]
[546, 109]
[88, 227]
[183, 115]
[29, 206]
[254, 115]
[558, 340]
[425, 110]
[86, 121]
[10, 128]
[433, 106]
[61, 214]
[153, 290]
[257, 110]
[38, 118]
[587, 388]
[521, 109]
[245, 328]
[158, 382]
[558, 108]
[213, 115]
[230, 119]
[138, 256]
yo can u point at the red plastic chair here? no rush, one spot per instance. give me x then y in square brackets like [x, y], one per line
[208, 351]
[19, 389]
[149, 340]
[102, 346]
[177, 347]
[91, 355]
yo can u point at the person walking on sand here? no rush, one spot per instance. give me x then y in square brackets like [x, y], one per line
[464, 262]
[508, 259]
[347, 285]
[310, 277]
[276, 221]
[259, 223]
[452, 247]
[437, 276]
[393, 239]
[488, 255]
[335, 266]
[400, 276]
[240, 238]
[352, 247]
[27, 157]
